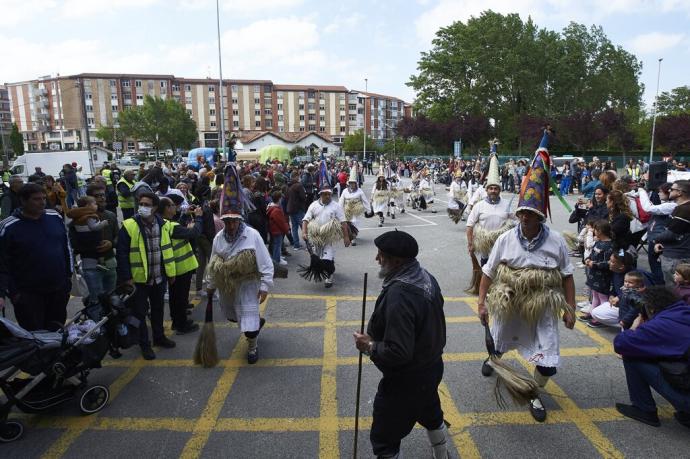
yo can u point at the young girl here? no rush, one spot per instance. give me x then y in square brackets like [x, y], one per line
[681, 277]
[599, 275]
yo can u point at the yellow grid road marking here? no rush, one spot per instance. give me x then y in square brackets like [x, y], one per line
[328, 419]
[464, 444]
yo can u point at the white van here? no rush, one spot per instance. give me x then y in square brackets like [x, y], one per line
[51, 163]
[561, 160]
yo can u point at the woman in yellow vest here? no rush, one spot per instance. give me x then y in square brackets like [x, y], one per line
[125, 197]
[185, 260]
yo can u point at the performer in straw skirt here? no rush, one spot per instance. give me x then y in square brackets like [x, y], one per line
[380, 195]
[354, 202]
[396, 199]
[490, 217]
[457, 197]
[426, 189]
[240, 266]
[527, 284]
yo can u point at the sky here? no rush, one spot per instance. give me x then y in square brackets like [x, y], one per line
[306, 41]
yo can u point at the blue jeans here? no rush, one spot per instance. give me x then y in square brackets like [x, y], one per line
[100, 280]
[565, 185]
[295, 224]
[276, 245]
[641, 375]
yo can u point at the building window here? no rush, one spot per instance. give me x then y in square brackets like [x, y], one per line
[280, 107]
[211, 100]
[322, 129]
[322, 118]
[301, 94]
[322, 107]
[257, 88]
[89, 108]
[140, 97]
[342, 128]
[342, 117]
[301, 117]
[163, 84]
[312, 127]
[312, 117]
[301, 106]
[175, 87]
[212, 112]
[213, 124]
[269, 124]
[279, 94]
[257, 124]
[188, 87]
[233, 88]
[311, 106]
[257, 100]
[235, 113]
[88, 96]
[113, 108]
[189, 111]
[281, 129]
[112, 83]
[267, 111]
[353, 117]
[234, 100]
[301, 129]
[236, 124]
[211, 88]
[91, 122]
[352, 107]
[188, 99]
[312, 94]
[257, 112]
[137, 83]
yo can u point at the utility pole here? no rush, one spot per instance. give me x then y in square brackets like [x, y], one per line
[656, 103]
[85, 121]
[221, 126]
[366, 89]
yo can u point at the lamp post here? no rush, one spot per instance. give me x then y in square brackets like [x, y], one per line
[366, 89]
[656, 103]
[392, 129]
[221, 126]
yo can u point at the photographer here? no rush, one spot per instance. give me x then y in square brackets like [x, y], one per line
[591, 210]
[656, 354]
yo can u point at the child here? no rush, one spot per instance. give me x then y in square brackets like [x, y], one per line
[277, 226]
[598, 274]
[681, 277]
[586, 240]
[88, 227]
[621, 311]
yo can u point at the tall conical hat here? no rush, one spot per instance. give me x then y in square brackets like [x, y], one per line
[534, 192]
[324, 184]
[493, 177]
[354, 174]
[381, 174]
[232, 199]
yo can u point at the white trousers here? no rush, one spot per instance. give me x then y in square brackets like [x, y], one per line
[606, 314]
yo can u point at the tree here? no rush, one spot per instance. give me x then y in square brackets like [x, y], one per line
[673, 132]
[109, 134]
[502, 68]
[16, 140]
[162, 122]
[355, 142]
[675, 102]
[297, 151]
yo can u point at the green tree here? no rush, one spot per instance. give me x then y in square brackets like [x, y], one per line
[161, 122]
[355, 142]
[16, 140]
[297, 151]
[109, 134]
[675, 102]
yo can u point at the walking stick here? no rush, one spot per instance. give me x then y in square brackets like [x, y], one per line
[359, 369]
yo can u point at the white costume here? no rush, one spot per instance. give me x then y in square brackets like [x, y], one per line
[323, 214]
[540, 345]
[244, 307]
[358, 194]
[486, 217]
[379, 199]
[426, 189]
[457, 193]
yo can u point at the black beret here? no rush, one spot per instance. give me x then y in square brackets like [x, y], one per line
[397, 244]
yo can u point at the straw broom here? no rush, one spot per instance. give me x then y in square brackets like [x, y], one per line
[473, 288]
[521, 389]
[206, 352]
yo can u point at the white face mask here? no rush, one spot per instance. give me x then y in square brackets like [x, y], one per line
[144, 211]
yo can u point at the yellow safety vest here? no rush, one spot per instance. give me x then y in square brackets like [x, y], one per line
[185, 260]
[106, 173]
[123, 202]
[138, 261]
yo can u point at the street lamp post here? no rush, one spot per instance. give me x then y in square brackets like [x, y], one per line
[392, 129]
[656, 108]
[366, 89]
[221, 127]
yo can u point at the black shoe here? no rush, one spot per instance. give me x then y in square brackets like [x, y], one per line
[262, 322]
[683, 417]
[584, 318]
[147, 353]
[388, 214]
[486, 369]
[393, 216]
[253, 357]
[188, 328]
[631, 411]
[285, 253]
[190, 306]
[402, 211]
[164, 342]
[537, 410]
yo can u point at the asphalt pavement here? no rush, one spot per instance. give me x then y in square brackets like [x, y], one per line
[299, 400]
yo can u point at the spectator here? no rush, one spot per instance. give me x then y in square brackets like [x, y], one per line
[10, 197]
[660, 216]
[35, 262]
[648, 348]
[682, 279]
[69, 175]
[125, 198]
[277, 226]
[145, 258]
[55, 195]
[620, 217]
[598, 273]
[567, 179]
[37, 176]
[673, 245]
[621, 311]
[296, 207]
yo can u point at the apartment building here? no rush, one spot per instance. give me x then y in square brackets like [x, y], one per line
[53, 112]
[5, 116]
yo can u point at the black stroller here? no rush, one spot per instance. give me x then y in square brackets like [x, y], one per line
[58, 363]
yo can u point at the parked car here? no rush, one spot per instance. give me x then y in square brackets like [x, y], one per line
[559, 161]
[127, 161]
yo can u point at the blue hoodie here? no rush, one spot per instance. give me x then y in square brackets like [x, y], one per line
[664, 336]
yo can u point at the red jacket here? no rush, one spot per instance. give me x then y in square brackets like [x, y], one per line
[277, 223]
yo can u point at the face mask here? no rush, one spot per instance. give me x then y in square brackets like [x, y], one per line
[144, 211]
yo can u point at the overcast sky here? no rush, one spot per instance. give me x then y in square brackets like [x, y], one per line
[304, 41]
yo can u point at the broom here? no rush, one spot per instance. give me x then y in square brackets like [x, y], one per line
[206, 352]
[473, 289]
[315, 270]
[521, 389]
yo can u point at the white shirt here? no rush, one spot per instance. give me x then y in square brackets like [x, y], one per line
[490, 216]
[324, 213]
[357, 194]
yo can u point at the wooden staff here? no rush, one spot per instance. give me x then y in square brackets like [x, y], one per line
[359, 369]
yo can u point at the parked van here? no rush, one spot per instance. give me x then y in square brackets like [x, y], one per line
[51, 163]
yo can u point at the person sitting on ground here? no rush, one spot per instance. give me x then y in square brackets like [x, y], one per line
[658, 339]
[621, 311]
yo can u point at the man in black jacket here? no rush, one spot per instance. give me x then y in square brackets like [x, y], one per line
[405, 340]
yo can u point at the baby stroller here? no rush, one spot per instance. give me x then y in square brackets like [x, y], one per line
[58, 363]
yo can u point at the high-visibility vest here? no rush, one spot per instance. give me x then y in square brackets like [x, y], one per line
[123, 202]
[106, 173]
[185, 260]
[138, 262]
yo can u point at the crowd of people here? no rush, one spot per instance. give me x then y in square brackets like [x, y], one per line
[227, 231]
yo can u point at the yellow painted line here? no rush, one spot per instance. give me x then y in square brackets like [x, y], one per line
[465, 445]
[328, 414]
[583, 422]
[268, 425]
[145, 424]
[291, 296]
[80, 425]
[605, 343]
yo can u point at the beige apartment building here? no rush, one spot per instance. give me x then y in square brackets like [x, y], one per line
[54, 112]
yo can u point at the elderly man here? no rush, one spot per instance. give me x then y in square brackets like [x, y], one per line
[529, 254]
[490, 217]
[405, 338]
[35, 262]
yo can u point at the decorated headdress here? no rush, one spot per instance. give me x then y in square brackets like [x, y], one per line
[381, 174]
[534, 192]
[493, 177]
[232, 200]
[458, 173]
[324, 184]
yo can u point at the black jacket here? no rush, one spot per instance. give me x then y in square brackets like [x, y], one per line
[599, 275]
[409, 331]
[124, 271]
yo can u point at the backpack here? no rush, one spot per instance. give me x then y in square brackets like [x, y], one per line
[642, 215]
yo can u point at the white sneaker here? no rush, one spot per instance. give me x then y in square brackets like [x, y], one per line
[283, 262]
[583, 304]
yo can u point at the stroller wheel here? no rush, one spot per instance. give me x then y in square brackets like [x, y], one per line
[11, 431]
[94, 399]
